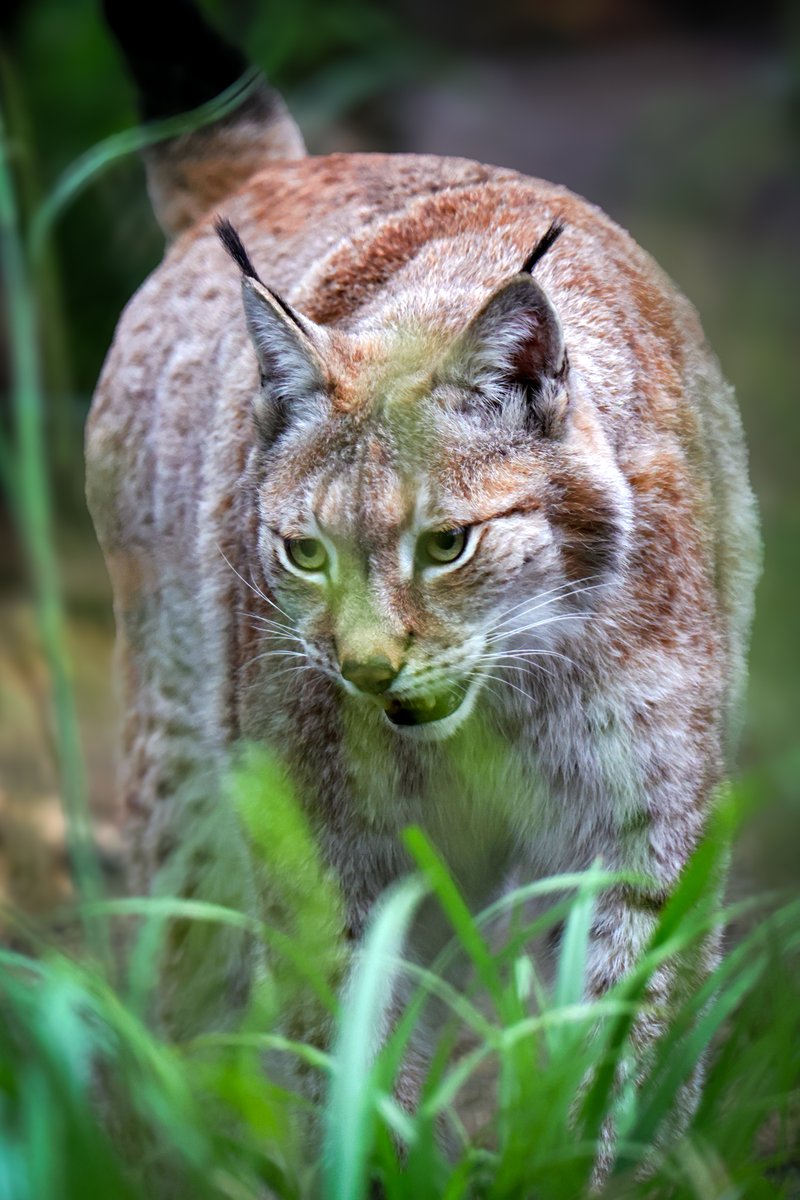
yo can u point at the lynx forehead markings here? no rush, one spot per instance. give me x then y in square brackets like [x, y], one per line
[389, 370]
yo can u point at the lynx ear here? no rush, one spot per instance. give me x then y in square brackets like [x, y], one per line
[290, 352]
[512, 357]
[290, 348]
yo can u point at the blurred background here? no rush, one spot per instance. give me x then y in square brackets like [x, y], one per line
[681, 120]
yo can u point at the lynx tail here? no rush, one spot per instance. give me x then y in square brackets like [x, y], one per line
[178, 63]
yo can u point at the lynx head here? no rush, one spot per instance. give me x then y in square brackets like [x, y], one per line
[439, 509]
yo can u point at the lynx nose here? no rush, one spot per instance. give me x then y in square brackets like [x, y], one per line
[373, 676]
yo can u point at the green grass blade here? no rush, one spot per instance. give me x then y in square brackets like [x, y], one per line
[32, 506]
[349, 1129]
[571, 972]
[81, 173]
[309, 1054]
[442, 885]
[686, 1054]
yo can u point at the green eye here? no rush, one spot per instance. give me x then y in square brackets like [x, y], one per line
[308, 554]
[443, 545]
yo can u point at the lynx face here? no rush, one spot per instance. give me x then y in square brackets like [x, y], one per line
[438, 581]
[438, 518]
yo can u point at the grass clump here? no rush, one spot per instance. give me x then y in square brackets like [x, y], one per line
[94, 1101]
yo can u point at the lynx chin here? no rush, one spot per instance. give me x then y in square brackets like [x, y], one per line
[421, 474]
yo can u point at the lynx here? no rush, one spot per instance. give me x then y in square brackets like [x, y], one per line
[420, 473]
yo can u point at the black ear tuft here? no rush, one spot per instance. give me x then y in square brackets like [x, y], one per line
[235, 247]
[544, 243]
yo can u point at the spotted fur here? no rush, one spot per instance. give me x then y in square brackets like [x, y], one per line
[401, 372]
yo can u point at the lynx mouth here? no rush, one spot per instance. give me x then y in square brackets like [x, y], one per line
[433, 718]
[425, 710]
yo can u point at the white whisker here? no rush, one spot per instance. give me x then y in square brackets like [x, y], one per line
[279, 636]
[294, 670]
[492, 690]
[272, 628]
[257, 591]
[514, 631]
[275, 654]
[561, 587]
[572, 583]
[277, 607]
[252, 586]
[525, 655]
[507, 683]
[297, 668]
[243, 612]
[537, 603]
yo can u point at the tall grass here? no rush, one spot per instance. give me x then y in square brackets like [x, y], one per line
[23, 460]
[93, 1098]
[95, 1101]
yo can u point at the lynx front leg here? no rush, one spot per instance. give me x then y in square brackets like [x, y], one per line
[624, 924]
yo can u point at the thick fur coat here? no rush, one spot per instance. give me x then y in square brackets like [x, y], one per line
[399, 374]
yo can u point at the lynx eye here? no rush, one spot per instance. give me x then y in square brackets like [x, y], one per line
[308, 554]
[442, 546]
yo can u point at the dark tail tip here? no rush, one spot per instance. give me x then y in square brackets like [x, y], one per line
[175, 59]
[542, 246]
[235, 247]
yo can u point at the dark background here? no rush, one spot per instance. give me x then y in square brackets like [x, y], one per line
[681, 120]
